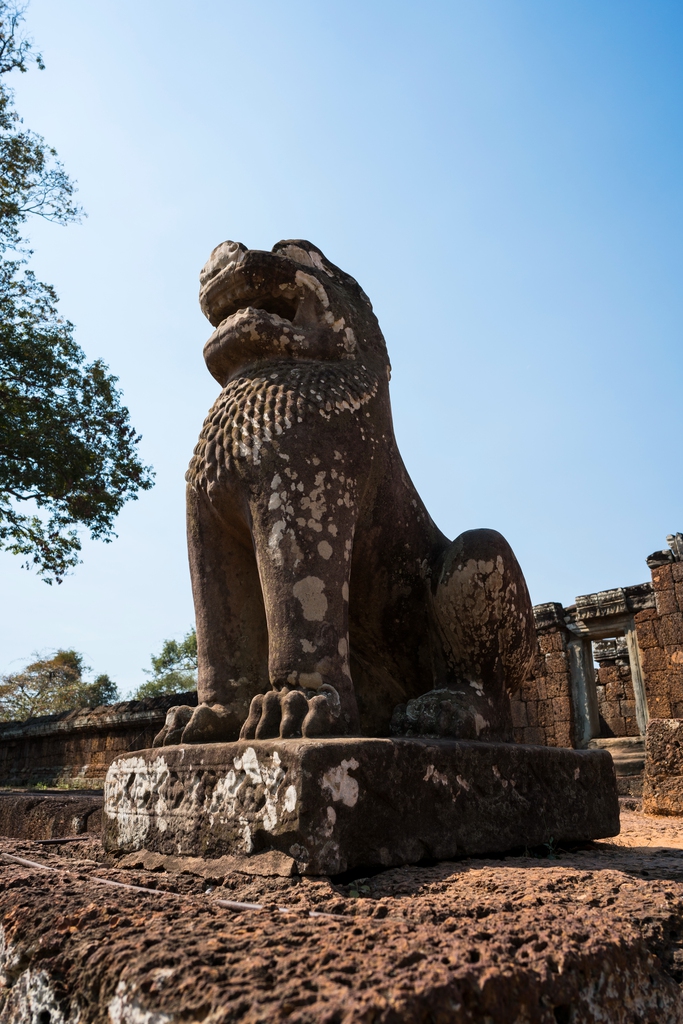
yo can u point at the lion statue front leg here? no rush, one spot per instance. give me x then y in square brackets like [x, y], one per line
[274, 548]
[303, 541]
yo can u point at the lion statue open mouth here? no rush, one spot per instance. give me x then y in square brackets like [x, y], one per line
[327, 601]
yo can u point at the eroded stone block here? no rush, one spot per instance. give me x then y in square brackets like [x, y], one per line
[336, 804]
[663, 780]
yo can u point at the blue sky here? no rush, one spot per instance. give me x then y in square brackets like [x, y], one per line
[504, 180]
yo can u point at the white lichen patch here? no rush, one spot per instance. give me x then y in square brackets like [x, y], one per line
[312, 283]
[326, 829]
[32, 998]
[314, 503]
[246, 834]
[316, 260]
[134, 788]
[349, 340]
[125, 1008]
[309, 594]
[325, 549]
[480, 723]
[274, 541]
[311, 680]
[340, 784]
[231, 793]
[437, 776]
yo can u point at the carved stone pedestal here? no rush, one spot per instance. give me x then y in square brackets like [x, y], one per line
[326, 806]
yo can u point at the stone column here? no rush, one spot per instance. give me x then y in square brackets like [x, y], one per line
[637, 679]
[584, 693]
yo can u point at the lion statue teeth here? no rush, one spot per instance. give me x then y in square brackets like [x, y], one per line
[327, 601]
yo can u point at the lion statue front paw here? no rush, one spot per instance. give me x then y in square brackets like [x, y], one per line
[291, 713]
[204, 724]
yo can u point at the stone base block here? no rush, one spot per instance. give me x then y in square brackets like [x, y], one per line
[336, 804]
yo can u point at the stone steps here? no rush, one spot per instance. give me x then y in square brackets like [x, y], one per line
[628, 754]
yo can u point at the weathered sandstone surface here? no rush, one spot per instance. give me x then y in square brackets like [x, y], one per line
[50, 815]
[591, 935]
[330, 805]
[663, 783]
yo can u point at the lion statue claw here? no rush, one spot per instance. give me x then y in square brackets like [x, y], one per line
[327, 600]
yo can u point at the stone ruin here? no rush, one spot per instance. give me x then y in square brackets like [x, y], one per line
[608, 665]
[355, 666]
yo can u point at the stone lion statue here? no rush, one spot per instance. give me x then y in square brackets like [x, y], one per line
[327, 601]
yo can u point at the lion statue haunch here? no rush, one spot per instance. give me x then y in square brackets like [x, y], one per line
[327, 601]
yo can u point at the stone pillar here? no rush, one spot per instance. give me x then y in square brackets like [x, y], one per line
[584, 693]
[637, 679]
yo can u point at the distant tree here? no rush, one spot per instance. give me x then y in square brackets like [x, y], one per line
[51, 685]
[102, 690]
[174, 670]
[68, 454]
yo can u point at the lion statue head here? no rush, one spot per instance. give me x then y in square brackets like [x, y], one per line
[289, 303]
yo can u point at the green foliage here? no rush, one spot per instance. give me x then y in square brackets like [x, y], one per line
[357, 890]
[32, 180]
[68, 454]
[174, 670]
[51, 685]
[102, 690]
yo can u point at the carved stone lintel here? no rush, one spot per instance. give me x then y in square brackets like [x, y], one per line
[674, 552]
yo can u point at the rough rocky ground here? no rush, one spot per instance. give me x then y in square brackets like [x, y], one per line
[592, 934]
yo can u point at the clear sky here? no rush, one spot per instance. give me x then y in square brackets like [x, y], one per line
[503, 179]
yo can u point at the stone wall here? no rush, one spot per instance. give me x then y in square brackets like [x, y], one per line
[75, 749]
[616, 699]
[634, 634]
[542, 712]
[40, 816]
[663, 784]
[660, 638]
